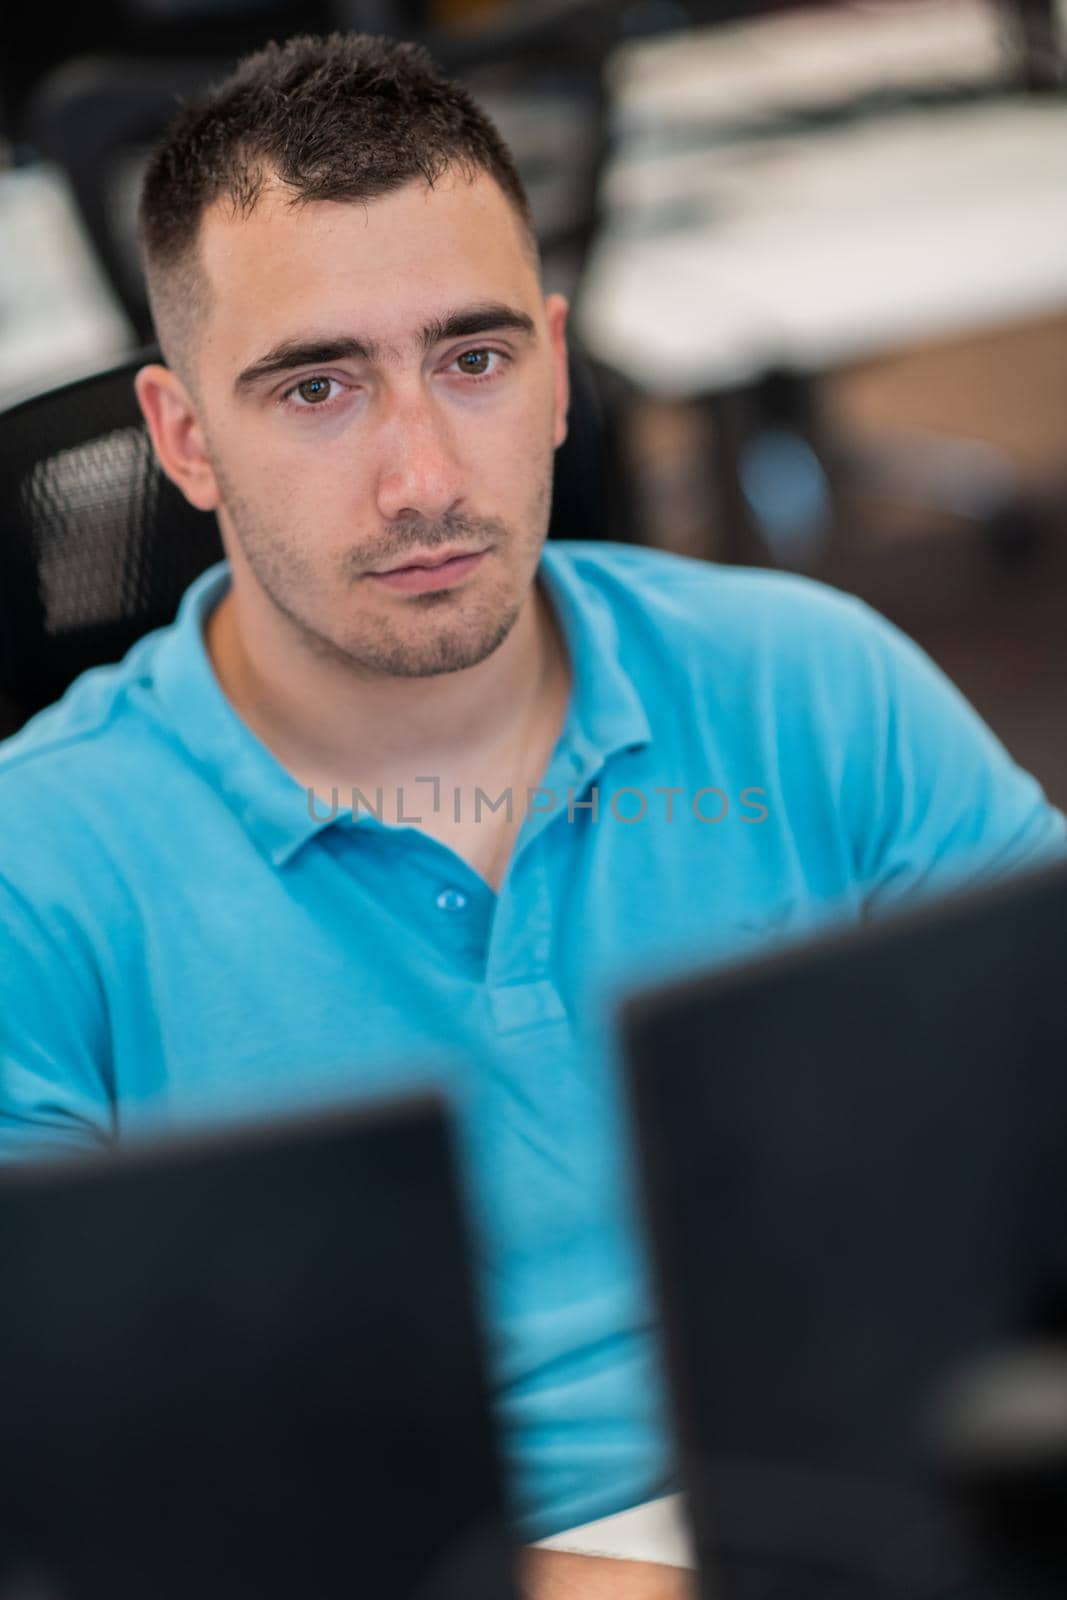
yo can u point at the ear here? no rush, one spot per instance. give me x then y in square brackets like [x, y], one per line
[177, 435]
[556, 309]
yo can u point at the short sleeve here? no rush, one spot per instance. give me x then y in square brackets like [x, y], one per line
[54, 1058]
[934, 799]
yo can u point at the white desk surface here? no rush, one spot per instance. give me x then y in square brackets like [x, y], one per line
[655, 1531]
[801, 60]
[727, 252]
[58, 316]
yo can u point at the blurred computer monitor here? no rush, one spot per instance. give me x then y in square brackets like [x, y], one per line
[247, 1364]
[855, 1162]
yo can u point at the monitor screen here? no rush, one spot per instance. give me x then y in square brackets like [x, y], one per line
[247, 1364]
[854, 1155]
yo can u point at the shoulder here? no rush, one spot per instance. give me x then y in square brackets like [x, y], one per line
[639, 577]
[812, 674]
[728, 617]
[72, 729]
[70, 765]
[109, 714]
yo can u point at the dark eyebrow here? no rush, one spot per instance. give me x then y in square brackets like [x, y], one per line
[491, 317]
[292, 353]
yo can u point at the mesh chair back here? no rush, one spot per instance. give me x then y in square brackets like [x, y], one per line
[97, 546]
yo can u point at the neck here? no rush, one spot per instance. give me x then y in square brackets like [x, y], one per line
[326, 727]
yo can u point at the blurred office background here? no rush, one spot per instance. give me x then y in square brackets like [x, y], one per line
[817, 256]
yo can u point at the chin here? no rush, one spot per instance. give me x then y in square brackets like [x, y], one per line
[452, 650]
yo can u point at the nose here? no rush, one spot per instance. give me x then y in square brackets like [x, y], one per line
[418, 466]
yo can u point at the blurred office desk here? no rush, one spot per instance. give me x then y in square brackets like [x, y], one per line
[59, 319]
[816, 188]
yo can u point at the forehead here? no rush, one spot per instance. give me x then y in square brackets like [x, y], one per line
[380, 266]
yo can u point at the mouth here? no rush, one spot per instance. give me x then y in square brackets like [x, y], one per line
[428, 563]
[437, 572]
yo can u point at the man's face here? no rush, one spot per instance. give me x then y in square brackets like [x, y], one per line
[379, 384]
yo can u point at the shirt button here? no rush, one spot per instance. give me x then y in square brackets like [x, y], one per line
[451, 900]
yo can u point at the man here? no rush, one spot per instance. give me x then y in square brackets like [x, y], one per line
[401, 785]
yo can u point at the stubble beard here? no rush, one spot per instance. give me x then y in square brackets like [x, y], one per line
[380, 648]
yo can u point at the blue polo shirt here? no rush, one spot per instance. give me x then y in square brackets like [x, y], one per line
[746, 756]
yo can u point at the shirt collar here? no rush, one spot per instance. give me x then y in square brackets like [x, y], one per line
[605, 715]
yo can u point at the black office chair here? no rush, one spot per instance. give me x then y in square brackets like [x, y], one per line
[97, 545]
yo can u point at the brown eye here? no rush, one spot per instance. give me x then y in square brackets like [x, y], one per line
[314, 390]
[475, 362]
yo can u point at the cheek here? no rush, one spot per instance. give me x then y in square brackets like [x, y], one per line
[287, 485]
[514, 441]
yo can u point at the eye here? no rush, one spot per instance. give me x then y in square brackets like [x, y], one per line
[479, 363]
[310, 393]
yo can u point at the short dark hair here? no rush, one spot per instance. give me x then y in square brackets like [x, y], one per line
[343, 117]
